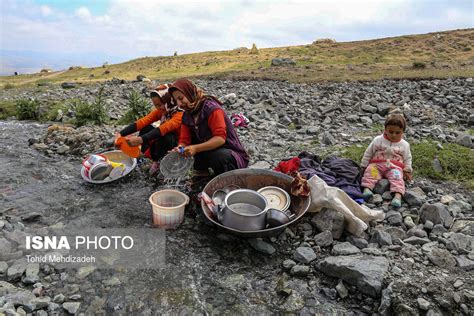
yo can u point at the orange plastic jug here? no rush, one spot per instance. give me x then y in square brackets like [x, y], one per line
[123, 145]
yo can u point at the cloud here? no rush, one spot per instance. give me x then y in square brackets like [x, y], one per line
[83, 13]
[45, 10]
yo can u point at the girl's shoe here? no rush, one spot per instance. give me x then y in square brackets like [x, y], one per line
[367, 193]
[396, 203]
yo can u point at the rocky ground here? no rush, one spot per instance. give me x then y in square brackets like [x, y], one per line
[419, 260]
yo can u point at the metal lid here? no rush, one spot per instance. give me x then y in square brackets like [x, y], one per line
[277, 198]
[174, 165]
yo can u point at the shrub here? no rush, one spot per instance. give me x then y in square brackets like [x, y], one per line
[8, 86]
[137, 107]
[27, 109]
[418, 65]
[91, 113]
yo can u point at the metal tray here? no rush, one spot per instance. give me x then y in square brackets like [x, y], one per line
[116, 156]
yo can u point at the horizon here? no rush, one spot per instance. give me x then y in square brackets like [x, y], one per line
[59, 34]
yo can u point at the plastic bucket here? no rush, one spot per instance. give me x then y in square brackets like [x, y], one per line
[168, 208]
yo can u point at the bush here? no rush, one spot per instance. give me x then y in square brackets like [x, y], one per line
[138, 107]
[27, 109]
[91, 113]
[8, 86]
[418, 65]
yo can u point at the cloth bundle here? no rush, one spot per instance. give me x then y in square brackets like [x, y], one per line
[356, 217]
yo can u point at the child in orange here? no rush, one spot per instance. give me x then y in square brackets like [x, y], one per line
[157, 141]
[388, 156]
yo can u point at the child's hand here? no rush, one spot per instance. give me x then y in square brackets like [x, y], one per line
[407, 176]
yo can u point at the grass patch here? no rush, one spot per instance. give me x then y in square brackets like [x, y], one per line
[8, 86]
[27, 109]
[7, 109]
[53, 109]
[457, 161]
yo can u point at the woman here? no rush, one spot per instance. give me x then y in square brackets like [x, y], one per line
[156, 142]
[206, 131]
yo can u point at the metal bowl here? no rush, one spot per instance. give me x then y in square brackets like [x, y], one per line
[115, 156]
[255, 179]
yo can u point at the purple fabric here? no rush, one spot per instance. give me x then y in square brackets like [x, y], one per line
[337, 172]
[201, 132]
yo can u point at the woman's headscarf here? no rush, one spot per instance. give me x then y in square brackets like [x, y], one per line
[195, 95]
[162, 91]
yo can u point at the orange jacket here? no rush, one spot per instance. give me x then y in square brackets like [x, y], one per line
[172, 125]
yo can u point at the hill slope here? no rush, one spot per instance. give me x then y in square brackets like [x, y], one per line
[441, 54]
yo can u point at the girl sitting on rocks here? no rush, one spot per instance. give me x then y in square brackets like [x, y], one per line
[206, 131]
[388, 156]
[156, 142]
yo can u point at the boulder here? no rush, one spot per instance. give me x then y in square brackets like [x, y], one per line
[365, 272]
[330, 220]
[437, 213]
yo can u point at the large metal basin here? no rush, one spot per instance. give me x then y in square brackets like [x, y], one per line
[115, 156]
[255, 179]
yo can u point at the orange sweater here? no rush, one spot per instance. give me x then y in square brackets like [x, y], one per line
[172, 125]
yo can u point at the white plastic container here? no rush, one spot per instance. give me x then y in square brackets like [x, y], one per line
[168, 208]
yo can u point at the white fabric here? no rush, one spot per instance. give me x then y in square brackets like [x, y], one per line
[382, 148]
[356, 217]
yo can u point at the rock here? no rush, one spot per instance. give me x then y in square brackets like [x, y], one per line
[387, 196]
[323, 239]
[329, 220]
[394, 218]
[381, 237]
[464, 263]
[365, 272]
[16, 270]
[436, 213]
[386, 300]
[31, 275]
[442, 258]
[59, 298]
[436, 164]
[299, 270]
[141, 77]
[68, 85]
[31, 217]
[342, 290]
[288, 264]
[344, 248]
[282, 62]
[458, 206]
[396, 232]
[328, 139]
[382, 186]
[261, 165]
[371, 251]
[62, 149]
[377, 199]
[368, 108]
[71, 307]
[83, 272]
[413, 240]
[360, 243]
[446, 199]
[428, 225]
[423, 304]
[304, 255]
[414, 197]
[262, 246]
[3, 267]
[464, 140]
[438, 230]
[461, 241]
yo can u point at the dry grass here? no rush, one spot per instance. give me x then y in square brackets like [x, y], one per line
[445, 54]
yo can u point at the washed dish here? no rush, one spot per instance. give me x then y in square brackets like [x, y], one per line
[107, 167]
[277, 198]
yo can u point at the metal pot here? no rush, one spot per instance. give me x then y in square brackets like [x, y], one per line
[276, 218]
[244, 210]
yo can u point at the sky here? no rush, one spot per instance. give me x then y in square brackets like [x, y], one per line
[56, 34]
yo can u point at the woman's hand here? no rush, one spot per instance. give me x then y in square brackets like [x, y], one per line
[407, 176]
[190, 151]
[117, 135]
[134, 141]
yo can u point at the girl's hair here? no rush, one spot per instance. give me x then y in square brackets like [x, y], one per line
[396, 120]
